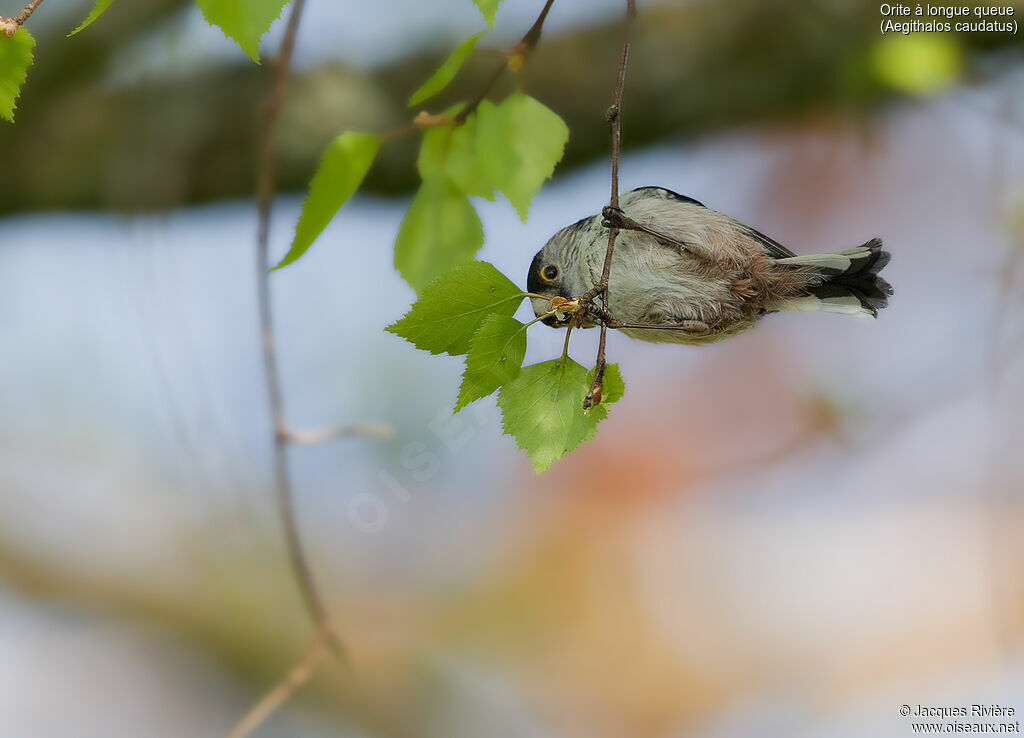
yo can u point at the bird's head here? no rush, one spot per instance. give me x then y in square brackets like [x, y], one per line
[555, 272]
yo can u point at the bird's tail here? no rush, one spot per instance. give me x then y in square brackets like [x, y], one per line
[849, 281]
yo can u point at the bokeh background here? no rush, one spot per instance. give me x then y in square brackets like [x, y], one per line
[792, 533]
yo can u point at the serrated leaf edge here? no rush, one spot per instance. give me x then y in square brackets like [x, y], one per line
[459, 404]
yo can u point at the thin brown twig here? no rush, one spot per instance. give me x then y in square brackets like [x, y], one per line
[611, 321]
[519, 53]
[421, 121]
[10, 25]
[473, 104]
[615, 116]
[297, 676]
[266, 183]
[312, 436]
[516, 57]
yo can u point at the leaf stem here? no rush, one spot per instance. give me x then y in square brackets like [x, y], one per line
[615, 116]
[539, 318]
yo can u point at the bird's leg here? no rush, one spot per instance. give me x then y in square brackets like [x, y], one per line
[743, 287]
[606, 317]
[693, 327]
[696, 327]
[616, 218]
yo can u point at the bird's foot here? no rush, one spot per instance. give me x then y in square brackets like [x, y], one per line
[744, 288]
[615, 218]
[695, 327]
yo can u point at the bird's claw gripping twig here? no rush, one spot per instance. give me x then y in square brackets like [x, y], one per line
[612, 217]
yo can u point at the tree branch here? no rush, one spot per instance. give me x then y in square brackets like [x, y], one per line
[514, 58]
[615, 117]
[283, 435]
[266, 181]
[297, 676]
[312, 436]
[10, 25]
[304, 669]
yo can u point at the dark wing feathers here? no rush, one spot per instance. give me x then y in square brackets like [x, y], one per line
[773, 247]
[670, 195]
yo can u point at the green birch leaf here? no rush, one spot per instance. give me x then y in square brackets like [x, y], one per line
[524, 140]
[495, 356]
[456, 152]
[488, 8]
[243, 21]
[613, 387]
[543, 408]
[440, 230]
[100, 8]
[15, 59]
[342, 169]
[452, 308]
[447, 71]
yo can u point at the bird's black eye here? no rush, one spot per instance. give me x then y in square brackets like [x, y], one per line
[549, 274]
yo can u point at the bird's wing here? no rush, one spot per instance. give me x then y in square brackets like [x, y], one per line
[645, 200]
[662, 214]
[664, 194]
[775, 249]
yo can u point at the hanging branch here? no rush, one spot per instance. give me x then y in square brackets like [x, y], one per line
[284, 436]
[10, 25]
[615, 117]
[296, 677]
[266, 181]
[514, 59]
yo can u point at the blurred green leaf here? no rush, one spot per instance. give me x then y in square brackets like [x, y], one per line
[243, 21]
[15, 59]
[455, 152]
[920, 63]
[1015, 216]
[543, 408]
[100, 7]
[447, 71]
[522, 141]
[488, 8]
[342, 169]
[440, 229]
[452, 308]
[495, 356]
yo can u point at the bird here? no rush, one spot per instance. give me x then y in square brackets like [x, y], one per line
[684, 273]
